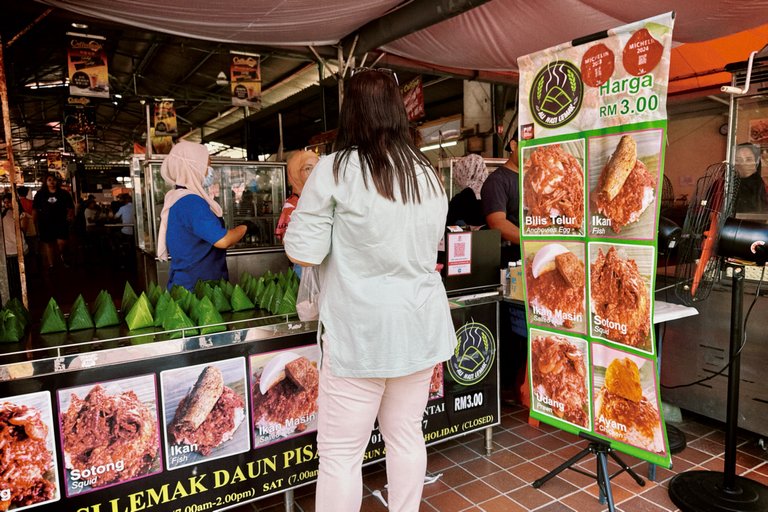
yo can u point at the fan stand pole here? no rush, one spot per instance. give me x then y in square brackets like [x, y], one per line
[715, 491]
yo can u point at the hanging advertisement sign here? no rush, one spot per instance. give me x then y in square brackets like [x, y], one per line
[413, 97]
[79, 120]
[245, 79]
[164, 119]
[55, 163]
[87, 66]
[593, 124]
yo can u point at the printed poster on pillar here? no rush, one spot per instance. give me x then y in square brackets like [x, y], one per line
[592, 125]
[245, 79]
[87, 66]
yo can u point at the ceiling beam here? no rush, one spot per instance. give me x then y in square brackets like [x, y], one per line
[412, 17]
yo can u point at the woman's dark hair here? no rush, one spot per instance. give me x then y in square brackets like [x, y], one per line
[756, 151]
[373, 122]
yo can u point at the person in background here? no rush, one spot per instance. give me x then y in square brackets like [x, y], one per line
[371, 216]
[11, 246]
[192, 230]
[125, 215]
[53, 211]
[30, 233]
[500, 198]
[751, 195]
[469, 173]
[299, 167]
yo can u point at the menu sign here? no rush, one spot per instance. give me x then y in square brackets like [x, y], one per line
[593, 124]
[165, 118]
[207, 429]
[87, 66]
[245, 79]
[413, 97]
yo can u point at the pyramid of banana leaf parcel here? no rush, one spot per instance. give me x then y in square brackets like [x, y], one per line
[140, 314]
[11, 326]
[129, 299]
[161, 308]
[177, 319]
[53, 319]
[79, 316]
[220, 300]
[209, 315]
[105, 312]
[240, 300]
[18, 309]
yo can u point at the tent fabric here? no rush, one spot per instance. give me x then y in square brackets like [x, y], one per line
[489, 37]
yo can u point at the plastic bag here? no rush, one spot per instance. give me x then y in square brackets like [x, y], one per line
[307, 306]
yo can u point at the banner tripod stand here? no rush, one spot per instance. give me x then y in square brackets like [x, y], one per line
[602, 450]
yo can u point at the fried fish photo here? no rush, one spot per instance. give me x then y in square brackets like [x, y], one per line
[626, 185]
[204, 411]
[553, 189]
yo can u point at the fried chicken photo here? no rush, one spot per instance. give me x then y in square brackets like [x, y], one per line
[623, 413]
[626, 188]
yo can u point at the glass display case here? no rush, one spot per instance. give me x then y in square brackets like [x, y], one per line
[253, 191]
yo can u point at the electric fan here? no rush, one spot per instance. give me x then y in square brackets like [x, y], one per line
[698, 264]
[667, 194]
[708, 238]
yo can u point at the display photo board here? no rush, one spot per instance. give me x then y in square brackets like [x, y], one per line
[592, 128]
[207, 429]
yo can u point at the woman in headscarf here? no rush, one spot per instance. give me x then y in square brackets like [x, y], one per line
[300, 166]
[192, 230]
[751, 195]
[469, 173]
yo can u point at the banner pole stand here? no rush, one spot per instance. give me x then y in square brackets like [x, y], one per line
[602, 450]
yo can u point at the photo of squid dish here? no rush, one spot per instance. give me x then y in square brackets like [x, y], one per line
[436, 382]
[208, 416]
[554, 280]
[623, 412]
[284, 396]
[553, 191]
[620, 300]
[108, 438]
[625, 189]
[559, 378]
[27, 465]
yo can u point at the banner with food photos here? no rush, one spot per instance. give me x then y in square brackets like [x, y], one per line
[413, 97]
[245, 79]
[164, 118]
[592, 128]
[87, 66]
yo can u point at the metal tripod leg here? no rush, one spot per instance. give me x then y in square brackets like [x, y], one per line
[562, 467]
[604, 480]
[623, 465]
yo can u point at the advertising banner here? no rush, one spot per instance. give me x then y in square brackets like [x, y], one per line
[245, 79]
[164, 119]
[204, 429]
[413, 97]
[87, 66]
[79, 124]
[55, 163]
[593, 127]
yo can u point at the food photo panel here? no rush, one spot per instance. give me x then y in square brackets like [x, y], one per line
[555, 281]
[204, 412]
[559, 377]
[553, 189]
[284, 386]
[624, 387]
[28, 469]
[620, 294]
[624, 184]
[109, 433]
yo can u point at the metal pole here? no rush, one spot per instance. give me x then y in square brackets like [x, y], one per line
[12, 176]
[734, 370]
